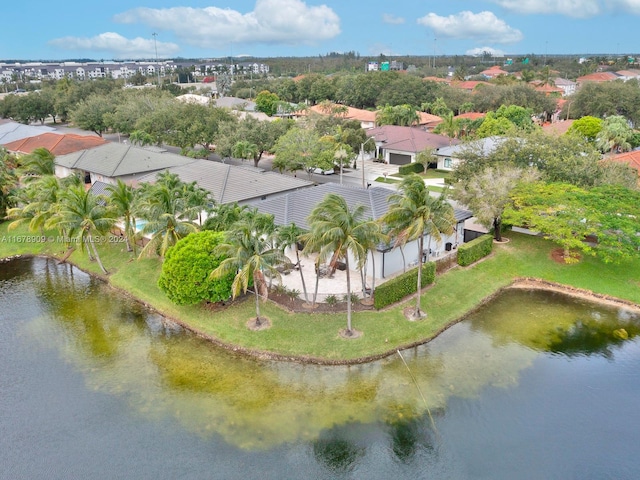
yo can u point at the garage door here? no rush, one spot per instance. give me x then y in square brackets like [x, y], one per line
[398, 159]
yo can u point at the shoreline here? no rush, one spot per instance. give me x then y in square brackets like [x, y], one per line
[524, 283]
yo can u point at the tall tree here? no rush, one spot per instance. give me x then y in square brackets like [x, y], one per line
[336, 232]
[83, 216]
[414, 213]
[487, 193]
[289, 236]
[167, 213]
[249, 254]
[121, 199]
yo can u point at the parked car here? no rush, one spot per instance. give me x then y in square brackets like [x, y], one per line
[322, 171]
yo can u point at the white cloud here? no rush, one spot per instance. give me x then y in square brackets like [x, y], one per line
[271, 22]
[631, 6]
[570, 8]
[477, 52]
[117, 46]
[483, 26]
[392, 19]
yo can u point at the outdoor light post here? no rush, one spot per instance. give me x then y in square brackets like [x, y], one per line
[364, 183]
[155, 44]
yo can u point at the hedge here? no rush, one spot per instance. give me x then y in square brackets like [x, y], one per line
[474, 250]
[399, 287]
[411, 168]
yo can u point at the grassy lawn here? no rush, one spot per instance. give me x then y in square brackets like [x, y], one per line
[433, 173]
[316, 335]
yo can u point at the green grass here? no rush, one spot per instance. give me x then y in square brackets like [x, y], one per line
[433, 173]
[316, 335]
[387, 180]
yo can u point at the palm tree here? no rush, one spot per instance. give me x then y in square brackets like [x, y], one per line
[245, 150]
[414, 213]
[121, 198]
[37, 164]
[249, 255]
[289, 235]
[166, 212]
[337, 231]
[35, 203]
[371, 237]
[82, 215]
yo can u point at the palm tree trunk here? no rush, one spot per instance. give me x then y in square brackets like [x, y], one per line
[373, 273]
[404, 260]
[346, 261]
[315, 291]
[255, 289]
[420, 246]
[304, 285]
[95, 252]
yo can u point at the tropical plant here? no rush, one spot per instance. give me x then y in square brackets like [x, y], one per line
[167, 213]
[249, 254]
[336, 231]
[414, 213]
[121, 199]
[84, 217]
[289, 236]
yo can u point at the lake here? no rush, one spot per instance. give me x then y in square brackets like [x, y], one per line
[92, 385]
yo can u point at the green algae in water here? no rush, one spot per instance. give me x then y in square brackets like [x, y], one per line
[162, 372]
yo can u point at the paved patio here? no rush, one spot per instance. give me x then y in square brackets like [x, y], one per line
[327, 285]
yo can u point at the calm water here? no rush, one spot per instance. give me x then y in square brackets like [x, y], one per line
[534, 386]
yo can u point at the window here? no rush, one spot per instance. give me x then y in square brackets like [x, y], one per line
[447, 163]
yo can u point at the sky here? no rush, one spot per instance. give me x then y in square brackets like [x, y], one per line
[140, 29]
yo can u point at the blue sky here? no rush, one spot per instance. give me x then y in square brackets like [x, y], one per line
[117, 29]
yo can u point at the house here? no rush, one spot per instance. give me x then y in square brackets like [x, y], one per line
[493, 72]
[295, 207]
[597, 77]
[568, 87]
[449, 156]
[400, 145]
[630, 158]
[57, 144]
[111, 162]
[628, 74]
[231, 183]
[469, 85]
[428, 121]
[367, 118]
[12, 131]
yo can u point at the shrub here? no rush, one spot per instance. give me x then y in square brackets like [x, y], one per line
[411, 168]
[331, 300]
[186, 268]
[405, 284]
[476, 249]
[354, 298]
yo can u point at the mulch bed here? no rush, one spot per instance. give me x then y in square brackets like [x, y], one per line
[299, 305]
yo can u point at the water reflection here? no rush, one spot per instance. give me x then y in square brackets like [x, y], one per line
[123, 350]
[550, 322]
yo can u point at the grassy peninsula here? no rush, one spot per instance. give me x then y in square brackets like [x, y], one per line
[315, 335]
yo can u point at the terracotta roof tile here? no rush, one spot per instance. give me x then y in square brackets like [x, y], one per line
[56, 143]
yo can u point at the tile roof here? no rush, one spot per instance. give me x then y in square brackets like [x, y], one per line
[598, 77]
[428, 119]
[408, 139]
[494, 71]
[230, 183]
[557, 128]
[119, 159]
[295, 207]
[630, 158]
[12, 131]
[471, 115]
[351, 113]
[58, 144]
[469, 85]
